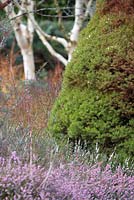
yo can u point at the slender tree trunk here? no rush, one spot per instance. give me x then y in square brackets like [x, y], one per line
[79, 17]
[82, 9]
[24, 35]
[24, 40]
[28, 62]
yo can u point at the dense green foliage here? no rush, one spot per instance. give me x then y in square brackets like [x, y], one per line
[96, 103]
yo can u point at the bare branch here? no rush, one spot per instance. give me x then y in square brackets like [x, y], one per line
[50, 48]
[88, 5]
[42, 35]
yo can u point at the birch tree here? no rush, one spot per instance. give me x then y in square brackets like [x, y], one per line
[24, 33]
[82, 10]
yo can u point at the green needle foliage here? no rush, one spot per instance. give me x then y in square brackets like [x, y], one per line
[96, 103]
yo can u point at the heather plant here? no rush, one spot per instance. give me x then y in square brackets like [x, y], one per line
[69, 173]
[24, 112]
[39, 148]
[70, 181]
[81, 153]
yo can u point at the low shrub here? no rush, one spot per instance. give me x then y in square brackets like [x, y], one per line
[72, 181]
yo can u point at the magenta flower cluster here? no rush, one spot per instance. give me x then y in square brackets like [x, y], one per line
[72, 181]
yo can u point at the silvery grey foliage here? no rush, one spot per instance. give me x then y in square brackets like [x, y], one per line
[5, 31]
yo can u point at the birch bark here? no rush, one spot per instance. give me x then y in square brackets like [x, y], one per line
[70, 43]
[24, 36]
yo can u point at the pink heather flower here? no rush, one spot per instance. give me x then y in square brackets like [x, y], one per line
[69, 182]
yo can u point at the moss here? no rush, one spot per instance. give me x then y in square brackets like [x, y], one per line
[97, 99]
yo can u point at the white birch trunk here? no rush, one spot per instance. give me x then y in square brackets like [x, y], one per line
[24, 40]
[70, 44]
[28, 62]
[79, 17]
[82, 8]
[24, 37]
